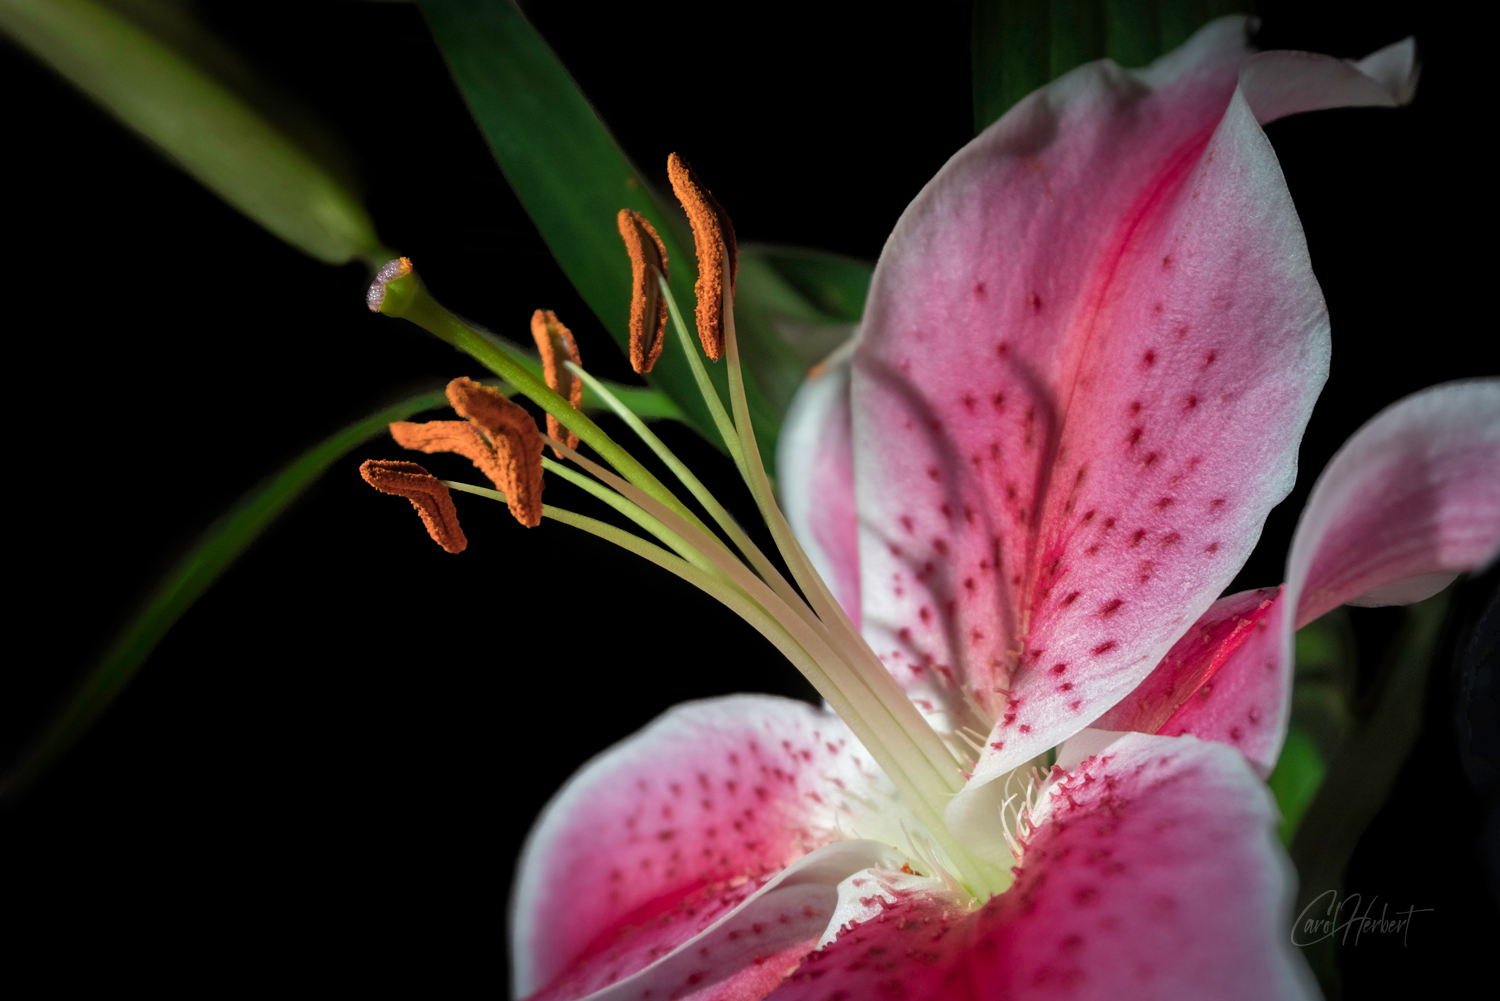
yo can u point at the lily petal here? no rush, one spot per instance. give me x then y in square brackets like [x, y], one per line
[1089, 352]
[659, 839]
[1283, 83]
[1409, 502]
[1227, 679]
[815, 474]
[748, 951]
[1151, 871]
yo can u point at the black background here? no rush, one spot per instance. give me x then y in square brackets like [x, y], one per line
[326, 771]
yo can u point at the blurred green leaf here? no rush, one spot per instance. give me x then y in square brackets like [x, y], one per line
[216, 550]
[1322, 693]
[834, 284]
[139, 68]
[1019, 45]
[1299, 772]
[1361, 773]
[573, 178]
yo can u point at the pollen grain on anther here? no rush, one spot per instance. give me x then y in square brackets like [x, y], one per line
[713, 237]
[556, 345]
[648, 307]
[500, 438]
[459, 437]
[427, 494]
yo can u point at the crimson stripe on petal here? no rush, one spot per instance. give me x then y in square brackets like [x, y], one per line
[1228, 679]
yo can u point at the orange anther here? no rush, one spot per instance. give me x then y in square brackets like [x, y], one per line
[459, 437]
[648, 307]
[713, 237]
[426, 493]
[556, 344]
[486, 406]
[500, 439]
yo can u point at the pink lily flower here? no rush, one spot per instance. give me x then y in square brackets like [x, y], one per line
[1089, 352]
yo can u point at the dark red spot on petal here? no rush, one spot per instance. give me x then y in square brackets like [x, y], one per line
[1110, 607]
[1104, 647]
[1148, 359]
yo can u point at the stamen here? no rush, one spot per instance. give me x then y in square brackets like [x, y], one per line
[390, 271]
[426, 493]
[458, 437]
[648, 311]
[557, 347]
[485, 406]
[509, 451]
[713, 239]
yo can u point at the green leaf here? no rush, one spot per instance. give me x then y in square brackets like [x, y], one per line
[573, 178]
[215, 551]
[1322, 696]
[834, 284]
[1019, 45]
[164, 93]
[1361, 774]
[1299, 772]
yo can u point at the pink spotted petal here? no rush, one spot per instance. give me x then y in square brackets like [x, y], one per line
[1228, 679]
[1063, 456]
[1412, 500]
[749, 949]
[1124, 892]
[1409, 502]
[1089, 352]
[670, 831]
[815, 473]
